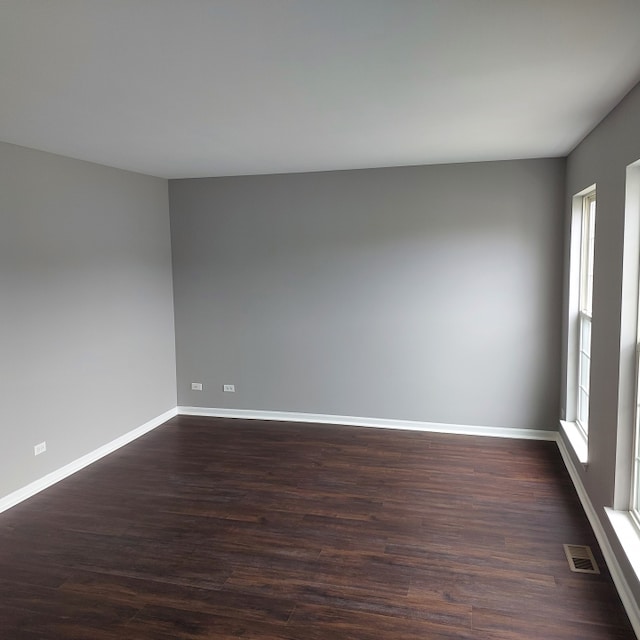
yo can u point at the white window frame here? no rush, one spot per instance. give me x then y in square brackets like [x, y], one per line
[575, 431]
[632, 214]
[585, 310]
[624, 515]
[634, 507]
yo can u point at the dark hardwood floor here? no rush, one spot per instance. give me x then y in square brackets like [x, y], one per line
[209, 528]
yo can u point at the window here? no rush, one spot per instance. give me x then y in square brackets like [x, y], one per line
[587, 238]
[632, 221]
[624, 515]
[574, 416]
[635, 485]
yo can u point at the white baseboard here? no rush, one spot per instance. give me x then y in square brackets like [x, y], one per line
[626, 595]
[378, 423]
[50, 479]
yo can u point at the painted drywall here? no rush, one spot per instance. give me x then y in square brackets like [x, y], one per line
[418, 293]
[602, 159]
[87, 337]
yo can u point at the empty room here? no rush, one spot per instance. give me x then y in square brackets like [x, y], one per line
[320, 319]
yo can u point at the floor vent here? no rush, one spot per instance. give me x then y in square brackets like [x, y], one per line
[580, 558]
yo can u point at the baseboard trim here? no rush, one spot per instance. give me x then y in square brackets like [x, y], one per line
[378, 423]
[14, 498]
[626, 595]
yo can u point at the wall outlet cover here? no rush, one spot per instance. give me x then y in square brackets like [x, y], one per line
[229, 388]
[196, 386]
[39, 448]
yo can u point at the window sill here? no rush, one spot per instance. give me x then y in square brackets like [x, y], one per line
[628, 535]
[577, 439]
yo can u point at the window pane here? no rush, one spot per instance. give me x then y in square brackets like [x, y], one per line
[636, 475]
[636, 504]
[590, 250]
[587, 252]
[585, 366]
[583, 409]
[585, 336]
[635, 491]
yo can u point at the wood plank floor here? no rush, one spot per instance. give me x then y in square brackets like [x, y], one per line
[209, 528]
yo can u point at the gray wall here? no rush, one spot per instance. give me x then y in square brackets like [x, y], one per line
[87, 338]
[423, 293]
[602, 158]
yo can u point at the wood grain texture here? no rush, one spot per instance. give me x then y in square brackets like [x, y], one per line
[212, 528]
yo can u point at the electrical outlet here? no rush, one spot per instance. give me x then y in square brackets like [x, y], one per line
[39, 448]
[229, 388]
[196, 386]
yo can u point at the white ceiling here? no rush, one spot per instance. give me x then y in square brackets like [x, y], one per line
[179, 88]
